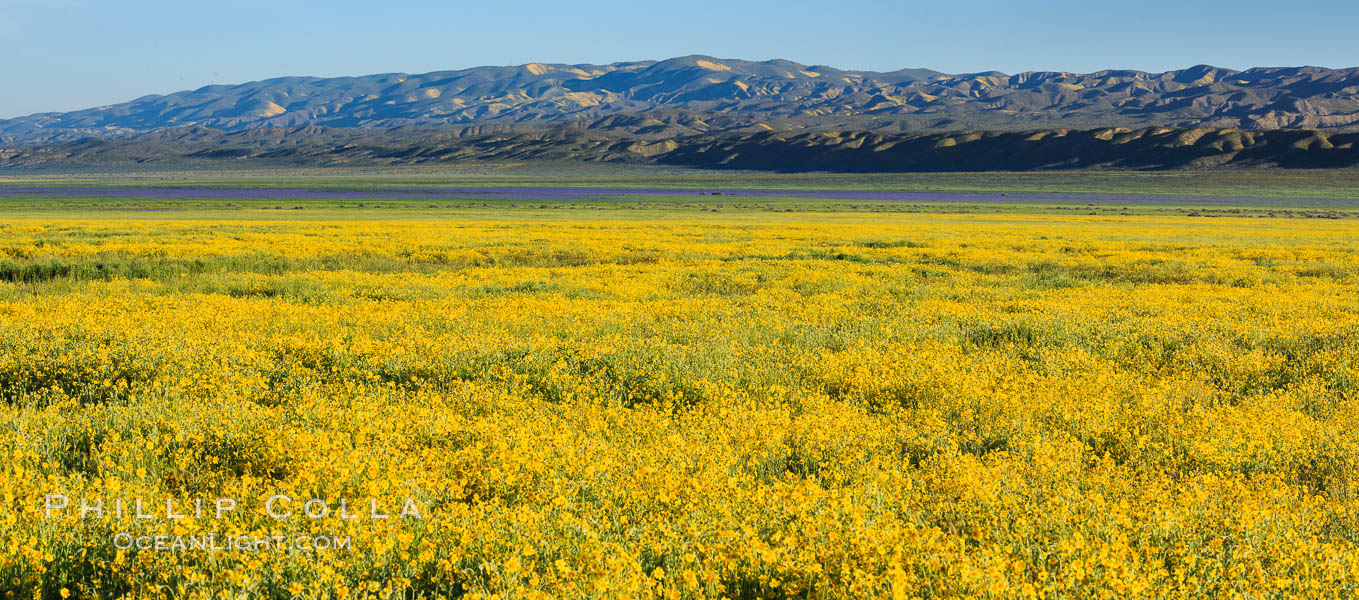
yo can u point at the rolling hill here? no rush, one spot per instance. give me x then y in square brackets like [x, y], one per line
[845, 151]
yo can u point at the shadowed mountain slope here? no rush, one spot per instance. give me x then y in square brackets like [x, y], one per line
[853, 151]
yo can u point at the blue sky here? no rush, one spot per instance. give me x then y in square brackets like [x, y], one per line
[68, 54]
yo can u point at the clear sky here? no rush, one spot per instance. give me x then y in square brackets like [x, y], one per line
[66, 54]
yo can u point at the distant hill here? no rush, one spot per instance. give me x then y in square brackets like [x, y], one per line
[698, 95]
[851, 151]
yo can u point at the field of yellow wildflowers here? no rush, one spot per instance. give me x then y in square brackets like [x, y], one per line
[698, 405]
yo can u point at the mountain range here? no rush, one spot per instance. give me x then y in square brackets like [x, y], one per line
[697, 95]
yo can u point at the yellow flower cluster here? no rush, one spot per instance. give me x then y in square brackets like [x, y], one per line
[739, 406]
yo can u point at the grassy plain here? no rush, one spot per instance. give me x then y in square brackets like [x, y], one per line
[1279, 184]
[646, 398]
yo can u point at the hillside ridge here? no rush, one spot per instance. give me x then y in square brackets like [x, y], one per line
[844, 151]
